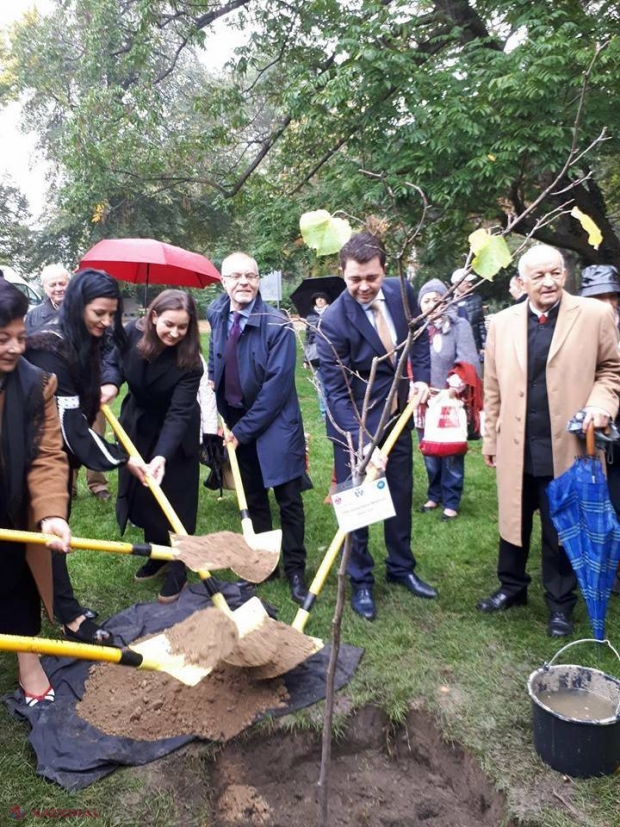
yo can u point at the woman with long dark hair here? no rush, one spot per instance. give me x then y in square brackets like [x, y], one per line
[162, 368]
[71, 348]
[33, 488]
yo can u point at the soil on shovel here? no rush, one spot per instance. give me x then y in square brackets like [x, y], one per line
[379, 777]
[225, 550]
[203, 638]
[148, 706]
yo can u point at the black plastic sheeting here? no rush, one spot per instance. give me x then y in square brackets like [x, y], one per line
[74, 754]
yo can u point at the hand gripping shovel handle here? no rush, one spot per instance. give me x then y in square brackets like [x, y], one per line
[154, 552]
[303, 614]
[239, 491]
[166, 506]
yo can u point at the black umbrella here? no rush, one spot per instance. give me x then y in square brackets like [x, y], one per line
[331, 286]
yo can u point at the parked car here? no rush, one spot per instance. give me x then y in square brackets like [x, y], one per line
[33, 295]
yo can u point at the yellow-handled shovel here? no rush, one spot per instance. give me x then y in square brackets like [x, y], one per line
[251, 616]
[196, 560]
[155, 654]
[266, 543]
[303, 614]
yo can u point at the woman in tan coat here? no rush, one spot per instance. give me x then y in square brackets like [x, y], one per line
[33, 488]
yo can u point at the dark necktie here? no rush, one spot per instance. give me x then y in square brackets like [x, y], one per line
[232, 387]
[542, 319]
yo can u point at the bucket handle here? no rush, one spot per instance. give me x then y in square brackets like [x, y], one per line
[587, 640]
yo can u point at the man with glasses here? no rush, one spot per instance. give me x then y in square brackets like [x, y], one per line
[252, 353]
[546, 359]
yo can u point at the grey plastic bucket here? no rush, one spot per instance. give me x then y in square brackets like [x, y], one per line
[575, 747]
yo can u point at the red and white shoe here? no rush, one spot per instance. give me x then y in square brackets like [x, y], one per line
[33, 700]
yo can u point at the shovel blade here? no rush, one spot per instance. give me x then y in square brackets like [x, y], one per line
[226, 550]
[269, 541]
[157, 656]
[287, 657]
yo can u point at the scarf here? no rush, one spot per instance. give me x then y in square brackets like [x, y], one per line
[472, 395]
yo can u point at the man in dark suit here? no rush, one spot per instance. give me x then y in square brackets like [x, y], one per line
[365, 322]
[252, 354]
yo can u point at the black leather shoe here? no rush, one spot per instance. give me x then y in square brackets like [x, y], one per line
[298, 588]
[413, 583]
[615, 589]
[499, 601]
[363, 604]
[560, 624]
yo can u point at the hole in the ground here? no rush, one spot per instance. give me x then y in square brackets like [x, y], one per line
[380, 776]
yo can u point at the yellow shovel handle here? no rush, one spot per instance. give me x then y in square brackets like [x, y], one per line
[246, 520]
[303, 614]
[165, 504]
[234, 467]
[112, 546]
[60, 648]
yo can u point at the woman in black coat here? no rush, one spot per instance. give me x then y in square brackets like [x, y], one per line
[70, 348]
[33, 488]
[162, 368]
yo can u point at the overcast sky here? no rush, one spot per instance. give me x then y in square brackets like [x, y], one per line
[17, 150]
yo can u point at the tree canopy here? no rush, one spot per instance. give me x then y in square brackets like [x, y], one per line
[474, 102]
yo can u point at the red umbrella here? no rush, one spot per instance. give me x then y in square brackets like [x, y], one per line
[147, 261]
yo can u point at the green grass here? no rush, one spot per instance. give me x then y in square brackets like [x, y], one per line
[470, 670]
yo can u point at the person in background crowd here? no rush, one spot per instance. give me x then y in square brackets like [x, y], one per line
[33, 489]
[162, 367]
[55, 280]
[71, 350]
[600, 281]
[321, 303]
[451, 340]
[516, 291]
[469, 305]
[546, 359]
[368, 321]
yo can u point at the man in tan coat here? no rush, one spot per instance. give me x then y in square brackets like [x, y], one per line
[546, 358]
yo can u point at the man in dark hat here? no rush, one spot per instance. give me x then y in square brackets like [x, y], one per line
[600, 281]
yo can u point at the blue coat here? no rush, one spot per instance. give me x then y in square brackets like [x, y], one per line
[345, 329]
[266, 354]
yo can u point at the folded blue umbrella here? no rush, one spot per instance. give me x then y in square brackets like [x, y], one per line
[589, 531]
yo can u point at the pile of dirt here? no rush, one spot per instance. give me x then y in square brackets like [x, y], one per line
[149, 706]
[379, 777]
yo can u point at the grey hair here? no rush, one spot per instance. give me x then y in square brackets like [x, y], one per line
[527, 259]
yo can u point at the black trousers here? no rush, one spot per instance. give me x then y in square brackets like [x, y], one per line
[397, 530]
[558, 578]
[290, 504]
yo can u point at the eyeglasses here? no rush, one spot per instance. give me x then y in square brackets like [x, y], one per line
[239, 276]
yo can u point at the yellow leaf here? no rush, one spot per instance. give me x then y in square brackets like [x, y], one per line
[323, 232]
[595, 236]
[492, 157]
[491, 253]
[478, 240]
